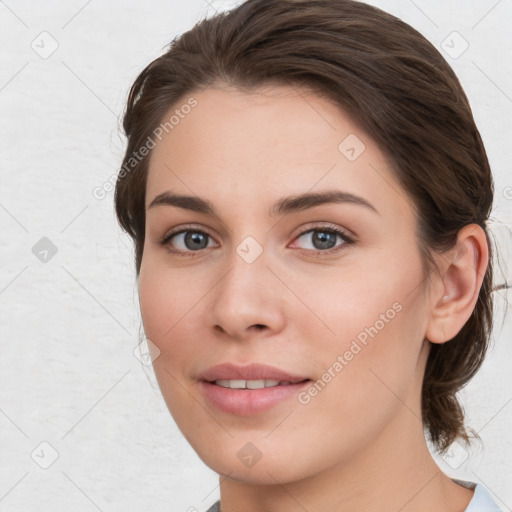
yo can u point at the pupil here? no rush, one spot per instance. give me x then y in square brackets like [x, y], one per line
[324, 240]
[194, 240]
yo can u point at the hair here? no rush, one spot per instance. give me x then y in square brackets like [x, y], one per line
[395, 85]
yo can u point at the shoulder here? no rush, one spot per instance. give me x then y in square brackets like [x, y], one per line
[482, 500]
[215, 507]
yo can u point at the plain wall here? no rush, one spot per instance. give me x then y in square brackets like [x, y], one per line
[69, 309]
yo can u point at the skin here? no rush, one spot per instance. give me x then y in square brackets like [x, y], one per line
[359, 443]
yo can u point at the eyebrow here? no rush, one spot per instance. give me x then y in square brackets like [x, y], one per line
[283, 206]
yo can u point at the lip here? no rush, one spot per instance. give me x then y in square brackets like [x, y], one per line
[254, 371]
[246, 402]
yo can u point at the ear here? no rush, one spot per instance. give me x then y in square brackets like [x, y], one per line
[461, 272]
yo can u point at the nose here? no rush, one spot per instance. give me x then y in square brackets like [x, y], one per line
[248, 300]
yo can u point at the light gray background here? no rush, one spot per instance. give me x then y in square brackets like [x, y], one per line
[68, 374]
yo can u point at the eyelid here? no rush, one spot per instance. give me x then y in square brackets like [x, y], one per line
[186, 227]
[327, 226]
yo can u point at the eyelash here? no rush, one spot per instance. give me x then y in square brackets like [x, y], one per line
[324, 229]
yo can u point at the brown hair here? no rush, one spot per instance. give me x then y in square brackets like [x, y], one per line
[400, 91]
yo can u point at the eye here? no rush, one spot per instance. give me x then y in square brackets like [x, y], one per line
[186, 241]
[189, 242]
[323, 239]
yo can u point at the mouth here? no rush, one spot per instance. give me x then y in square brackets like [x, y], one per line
[253, 384]
[249, 390]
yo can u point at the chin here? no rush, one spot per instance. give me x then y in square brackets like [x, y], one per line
[236, 464]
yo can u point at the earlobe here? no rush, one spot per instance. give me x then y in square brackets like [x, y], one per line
[461, 272]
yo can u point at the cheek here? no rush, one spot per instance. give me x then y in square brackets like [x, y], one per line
[153, 299]
[165, 297]
[368, 372]
[346, 306]
[376, 319]
[166, 310]
[172, 305]
[163, 305]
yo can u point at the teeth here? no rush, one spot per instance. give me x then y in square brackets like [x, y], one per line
[237, 384]
[249, 384]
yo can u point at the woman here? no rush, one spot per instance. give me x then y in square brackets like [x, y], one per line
[308, 195]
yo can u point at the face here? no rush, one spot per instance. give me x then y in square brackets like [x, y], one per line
[289, 330]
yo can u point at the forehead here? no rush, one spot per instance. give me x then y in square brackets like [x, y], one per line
[260, 144]
[242, 122]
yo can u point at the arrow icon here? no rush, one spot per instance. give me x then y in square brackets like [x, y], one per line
[454, 44]
[243, 249]
[44, 44]
[44, 455]
[351, 147]
[249, 455]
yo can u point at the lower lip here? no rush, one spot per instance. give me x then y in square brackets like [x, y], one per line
[246, 402]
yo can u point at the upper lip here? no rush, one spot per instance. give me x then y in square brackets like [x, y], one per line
[254, 371]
